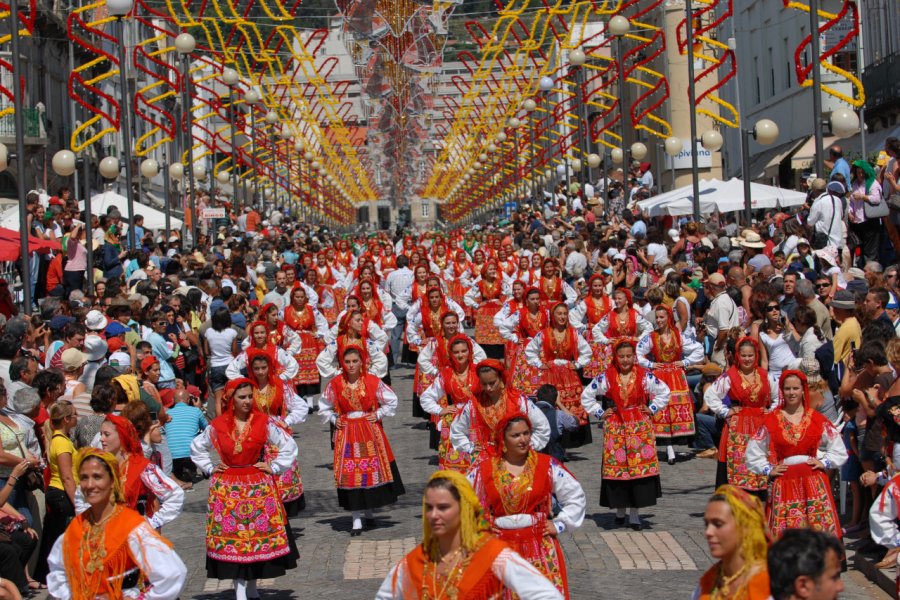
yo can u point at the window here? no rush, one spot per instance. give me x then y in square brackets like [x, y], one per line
[756, 75]
[424, 210]
[771, 68]
[789, 68]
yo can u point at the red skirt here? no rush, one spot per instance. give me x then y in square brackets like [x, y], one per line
[801, 498]
[568, 387]
[629, 446]
[362, 455]
[307, 372]
[541, 550]
[677, 418]
[449, 458]
[601, 355]
[421, 381]
[732, 451]
[486, 333]
[523, 377]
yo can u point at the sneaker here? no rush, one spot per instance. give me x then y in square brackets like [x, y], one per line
[708, 453]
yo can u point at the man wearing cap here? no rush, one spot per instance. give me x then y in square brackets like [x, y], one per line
[826, 215]
[721, 317]
[849, 332]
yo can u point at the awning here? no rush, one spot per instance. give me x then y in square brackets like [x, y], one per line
[874, 141]
[764, 166]
[805, 157]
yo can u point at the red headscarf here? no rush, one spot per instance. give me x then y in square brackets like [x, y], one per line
[135, 463]
[500, 432]
[276, 405]
[128, 436]
[494, 364]
[625, 398]
[569, 349]
[455, 390]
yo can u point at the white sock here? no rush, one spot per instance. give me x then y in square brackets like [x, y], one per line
[240, 589]
[357, 519]
[620, 513]
[252, 592]
[670, 452]
[633, 516]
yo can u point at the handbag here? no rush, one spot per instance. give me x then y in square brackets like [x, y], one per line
[877, 211]
[32, 480]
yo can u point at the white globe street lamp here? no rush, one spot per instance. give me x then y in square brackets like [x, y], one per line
[109, 167]
[64, 163]
[673, 146]
[149, 168]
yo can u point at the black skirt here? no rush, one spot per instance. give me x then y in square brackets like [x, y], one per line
[496, 351]
[309, 389]
[294, 507]
[267, 569]
[577, 438]
[630, 493]
[417, 410]
[408, 356]
[357, 499]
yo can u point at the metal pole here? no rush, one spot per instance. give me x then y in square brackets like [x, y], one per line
[189, 144]
[582, 128]
[88, 220]
[125, 128]
[19, 120]
[253, 148]
[745, 167]
[234, 186]
[274, 174]
[623, 117]
[73, 112]
[692, 97]
[531, 153]
[817, 86]
[860, 57]
[301, 207]
[167, 209]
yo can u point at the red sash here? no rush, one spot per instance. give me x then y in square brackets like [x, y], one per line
[477, 582]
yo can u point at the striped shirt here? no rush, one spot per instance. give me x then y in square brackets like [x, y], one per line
[187, 422]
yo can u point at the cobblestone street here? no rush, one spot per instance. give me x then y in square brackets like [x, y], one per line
[664, 560]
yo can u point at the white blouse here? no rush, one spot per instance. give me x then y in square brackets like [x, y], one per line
[715, 395]
[459, 429]
[387, 404]
[534, 353]
[568, 492]
[507, 322]
[425, 359]
[831, 451]
[598, 333]
[883, 515]
[329, 366]
[202, 447]
[516, 573]
[414, 320]
[161, 564]
[590, 397]
[691, 351]
[286, 361]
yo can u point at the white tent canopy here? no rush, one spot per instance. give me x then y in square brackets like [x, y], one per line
[720, 196]
[153, 218]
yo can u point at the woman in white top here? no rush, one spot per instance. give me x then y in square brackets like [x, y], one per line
[778, 355]
[219, 346]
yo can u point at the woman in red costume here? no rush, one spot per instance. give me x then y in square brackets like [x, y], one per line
[458, 558]
[667, 353]
[456, 274]
[630, 476]
[279, 334]
[365, 472]
[584, 316]
[415, 292]
[275, 398]
[622, 322]
[344, 255]
[328, 297]
[312, 328]
[247, 532]
[452, 389]
[794, 449]
[147, 489]
[553, 288]
[485, 298]
[519, 328]
[752, 393]
[517, 489]
[559, 351]
[259, 340]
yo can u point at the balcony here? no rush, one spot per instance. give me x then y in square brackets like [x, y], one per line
[35, 130]
[882, 82]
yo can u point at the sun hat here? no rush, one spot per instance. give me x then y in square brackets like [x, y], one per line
[72, 359]
[843, 300]
[96, 321]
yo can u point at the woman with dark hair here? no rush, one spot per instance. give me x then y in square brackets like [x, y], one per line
[220, 346]
[103, 401]
[365, 473]
[518, 488]
[794, 449]
[247, 533]
[458, 557]
[630, 476]
[354, 330]
[622, 322]
[803, 336]
[752, 393]
[312, 329]
[773, 338]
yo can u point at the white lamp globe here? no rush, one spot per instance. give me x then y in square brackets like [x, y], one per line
[577, 57]
[315, 165]
[593, 160]
[230, 76]
[638, 151]
[617, 155]
[501, 137]
[844, 122]
[576, 165]
[298, 146]
[477, 165]
[149, 168]
[712, 140]
[307, 156]
[546, 83]
[514, 123]
[529, 105]
[285, 132]
[176, 171]
[4, 157]
[483, 157]
[561, 170]
[252, 96]
[64, 163]
[201, 174]
[223, 176]
[492, 147]
[673, 146]
[185, 43]
[618, 25]
[271, 117]
[766, 131]
[109, 167]
[119, 8]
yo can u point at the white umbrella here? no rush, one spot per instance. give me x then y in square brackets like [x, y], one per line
[153, 218]
[721, 196]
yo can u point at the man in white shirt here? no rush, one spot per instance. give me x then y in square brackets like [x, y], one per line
[826, 216]
[720, 318]
[397, 282]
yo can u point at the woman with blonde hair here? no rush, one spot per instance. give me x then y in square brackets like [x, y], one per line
[735, 529]
[458, 557]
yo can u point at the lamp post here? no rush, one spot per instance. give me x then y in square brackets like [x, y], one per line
[150, 168]
[514, 123]
[121, 9]
[272, 119]
[618, 28]
[765, 132]
[818, 159]
[231, 78]
[307, 157]
[577, 58]
[184, 45]
[251, 97]
[692, 100]
[530, 106]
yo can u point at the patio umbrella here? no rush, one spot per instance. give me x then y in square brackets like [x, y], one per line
[9, 244]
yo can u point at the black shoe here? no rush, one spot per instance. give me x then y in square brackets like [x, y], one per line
[369, 524]
[637, 526]
[620, 520]
[355, 532]
[671, 461]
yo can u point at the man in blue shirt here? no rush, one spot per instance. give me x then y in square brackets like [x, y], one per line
[836, 156]
[163, 349]
[186, 421]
